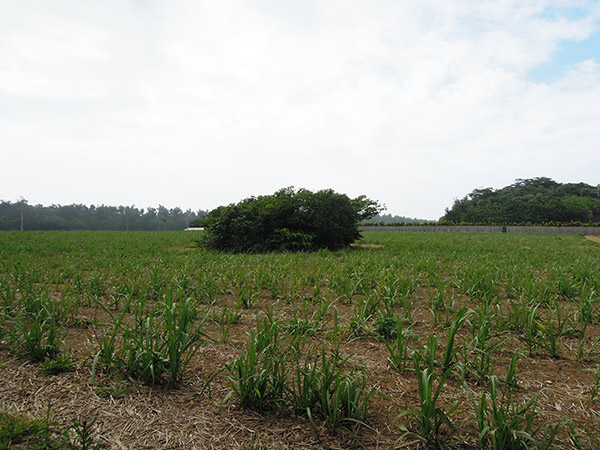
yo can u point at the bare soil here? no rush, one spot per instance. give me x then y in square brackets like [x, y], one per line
[130, 415]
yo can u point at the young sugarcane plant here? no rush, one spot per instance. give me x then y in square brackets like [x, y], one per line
[505, 424]
[398, 350]
[450, 352]
[478, 359]
[434, 426]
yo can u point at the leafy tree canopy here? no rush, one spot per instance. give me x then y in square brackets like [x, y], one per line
[536, 201]
[289, 220]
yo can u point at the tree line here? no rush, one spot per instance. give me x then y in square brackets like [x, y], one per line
[22, 215]
[389, 219]
[528, 201]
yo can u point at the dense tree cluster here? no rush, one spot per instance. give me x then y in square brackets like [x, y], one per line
[82, 217]
[289, 220]
[534, 201]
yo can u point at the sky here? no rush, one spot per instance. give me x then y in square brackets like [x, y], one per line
[196, 103]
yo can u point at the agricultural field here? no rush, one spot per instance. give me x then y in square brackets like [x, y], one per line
[145, 340]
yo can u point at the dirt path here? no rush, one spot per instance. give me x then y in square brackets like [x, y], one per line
[593, 238]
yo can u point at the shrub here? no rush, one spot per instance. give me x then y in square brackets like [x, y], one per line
[289, 220]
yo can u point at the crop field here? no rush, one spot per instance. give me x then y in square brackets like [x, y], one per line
[407, 340]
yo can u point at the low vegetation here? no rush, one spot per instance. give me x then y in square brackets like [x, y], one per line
[423, 341]
[18, 432]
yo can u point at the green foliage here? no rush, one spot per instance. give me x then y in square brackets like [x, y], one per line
[161, 345]
[82, 436]
[42, 434]
[434, 424]
[276, 373]
[304, 325]
[288, 220]
[505, 423]
[477, 358]
[345, 401]
[385, 324]
[225, 319]
[38, 333]
[59, 364]
[532, 201]
[398, 350]
[258, 377]
[450, 353]
[112, 391]
[360, 323]
[34, 434]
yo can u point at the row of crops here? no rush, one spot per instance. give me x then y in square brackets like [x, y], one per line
[443, 340]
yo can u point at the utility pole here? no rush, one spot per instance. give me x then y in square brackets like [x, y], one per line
[23, 202]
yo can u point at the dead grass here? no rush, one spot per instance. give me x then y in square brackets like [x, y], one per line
[155, 418]
[130, 415]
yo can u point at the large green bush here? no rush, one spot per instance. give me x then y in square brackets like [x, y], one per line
[289, 220]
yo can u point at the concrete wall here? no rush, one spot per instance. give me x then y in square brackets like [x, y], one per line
[486, 229]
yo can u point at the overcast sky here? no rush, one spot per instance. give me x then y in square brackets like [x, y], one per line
[199, 103]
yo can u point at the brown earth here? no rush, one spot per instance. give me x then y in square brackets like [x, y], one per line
[130, 415]
[593, 238]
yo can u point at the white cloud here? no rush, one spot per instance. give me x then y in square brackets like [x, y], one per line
[364, 97]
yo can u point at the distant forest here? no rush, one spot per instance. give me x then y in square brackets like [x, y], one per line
[388, 219]
[82, 217]
[531, 201]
